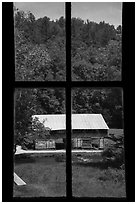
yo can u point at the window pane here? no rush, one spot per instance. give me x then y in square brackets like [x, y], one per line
[98, 167]
[39, 41]
[96, 34]
[40, 138]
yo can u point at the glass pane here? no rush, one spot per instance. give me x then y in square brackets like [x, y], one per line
[96, 46]
[39, 142]
[98, 167]
[39, 29]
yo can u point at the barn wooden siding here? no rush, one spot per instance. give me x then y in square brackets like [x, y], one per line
[45, 144]
[88, 139]
[58, 143]
[88, 143]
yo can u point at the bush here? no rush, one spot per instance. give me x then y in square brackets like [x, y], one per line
[115, 175]
[115, 152]
[28, 143]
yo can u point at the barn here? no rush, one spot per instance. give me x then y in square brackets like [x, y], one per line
[88, 131]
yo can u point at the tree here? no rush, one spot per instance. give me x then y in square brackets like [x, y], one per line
[25, 107]
[24, 21]
[119, 29]
[39, 48]
[29, 102]
[36, 130]
[96, 51]
[32, 61]
[76, 28]
[107, 102]
[37, 63]
[56, 49]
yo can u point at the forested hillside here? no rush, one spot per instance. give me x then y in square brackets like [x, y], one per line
[29, 102]
[96, 51]
[39, 48]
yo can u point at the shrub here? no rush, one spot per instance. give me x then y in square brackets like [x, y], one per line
[115, 175]
[115, 152]
[35, 131]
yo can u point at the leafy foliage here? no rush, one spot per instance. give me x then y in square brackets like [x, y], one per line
[32, 63]
[118, 176]
[30, 102]
[39, 48]
[115, 152]
[108, 102]
[35, 131]
[96, 51]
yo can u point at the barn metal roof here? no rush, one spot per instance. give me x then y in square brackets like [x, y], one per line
[79, 121]
[54, 122]
[88, 121]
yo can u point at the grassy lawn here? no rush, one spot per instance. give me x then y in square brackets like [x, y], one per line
[94, 179]
[45, 177]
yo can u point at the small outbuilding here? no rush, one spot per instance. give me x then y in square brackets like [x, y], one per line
[88, 131]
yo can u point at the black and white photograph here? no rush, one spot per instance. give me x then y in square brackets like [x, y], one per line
[98, 163]
[39, 29]
[68, 106]
[39, 143]
[96, 41]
